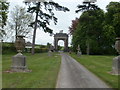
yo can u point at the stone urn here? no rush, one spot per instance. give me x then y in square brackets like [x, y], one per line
[116, 60]
[19, 61]
[20, 43]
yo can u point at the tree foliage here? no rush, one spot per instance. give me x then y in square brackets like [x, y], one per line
[3, 16]
[44, 14]
[72, 28]
[87, 6]
[88, 30]
[18, 23]
[99, 28]
[89, 10]
[113, 16]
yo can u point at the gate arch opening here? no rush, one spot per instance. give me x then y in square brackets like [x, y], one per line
[61, 45]
[61, 36]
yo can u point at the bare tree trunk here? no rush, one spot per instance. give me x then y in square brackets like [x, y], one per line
[34, 33]
[16, 30]
[88, 48]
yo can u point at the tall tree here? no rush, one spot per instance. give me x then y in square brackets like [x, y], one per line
[3, 15]
[89, 30]
[44, 13]
[18, 23]
[101, 30]
[88, 7]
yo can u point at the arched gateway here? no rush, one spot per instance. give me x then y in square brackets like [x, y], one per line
[61, 36]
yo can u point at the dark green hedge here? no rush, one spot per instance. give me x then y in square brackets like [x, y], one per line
[41, 50]
[10, 48]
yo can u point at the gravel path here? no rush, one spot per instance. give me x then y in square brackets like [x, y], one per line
[74, 75]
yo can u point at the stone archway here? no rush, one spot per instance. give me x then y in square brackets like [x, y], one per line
[61, 36]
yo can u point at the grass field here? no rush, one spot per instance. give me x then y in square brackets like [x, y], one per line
[44, 72]
[100, 66]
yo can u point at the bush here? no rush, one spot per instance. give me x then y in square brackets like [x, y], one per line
[41, 50]
[8, 48]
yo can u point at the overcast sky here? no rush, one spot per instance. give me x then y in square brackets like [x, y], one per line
[64, 18]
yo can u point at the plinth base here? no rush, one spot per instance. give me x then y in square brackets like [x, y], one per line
[116, 66]
[19, 63]
[50, 53]
[79, 54]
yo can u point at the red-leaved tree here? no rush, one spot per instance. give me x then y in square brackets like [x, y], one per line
[73, 27]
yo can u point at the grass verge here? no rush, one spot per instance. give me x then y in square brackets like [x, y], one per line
[44, 72]
[101, 66]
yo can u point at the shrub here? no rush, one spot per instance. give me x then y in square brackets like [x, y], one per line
[8, 48]
[40, 50]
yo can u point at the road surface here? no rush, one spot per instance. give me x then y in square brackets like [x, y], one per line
[73, 75]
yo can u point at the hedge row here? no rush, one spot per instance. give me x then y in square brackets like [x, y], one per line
[10, 48]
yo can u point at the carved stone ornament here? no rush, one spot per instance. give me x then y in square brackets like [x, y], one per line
[20, 43]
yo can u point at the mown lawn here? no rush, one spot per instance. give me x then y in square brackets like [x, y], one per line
[101, 66]
[44, 72]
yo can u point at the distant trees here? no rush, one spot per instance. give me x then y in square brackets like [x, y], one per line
[18, 23]
[3, 16]
[99, 29]
[44, 14]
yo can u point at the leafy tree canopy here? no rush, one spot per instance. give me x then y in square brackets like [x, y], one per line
[3, 16]
[113, 16]
[45, 13]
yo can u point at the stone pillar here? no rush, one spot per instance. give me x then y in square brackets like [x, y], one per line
[55, 44]
[19, 63]
[66, 44]
[116, 60]
[116, 66]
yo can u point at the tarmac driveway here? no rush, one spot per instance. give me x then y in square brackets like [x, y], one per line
[74, 75]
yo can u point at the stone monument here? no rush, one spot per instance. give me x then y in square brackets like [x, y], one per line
[19, 61]
[79, 53]
[116, 60]
[61, 36]
[51, 49]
